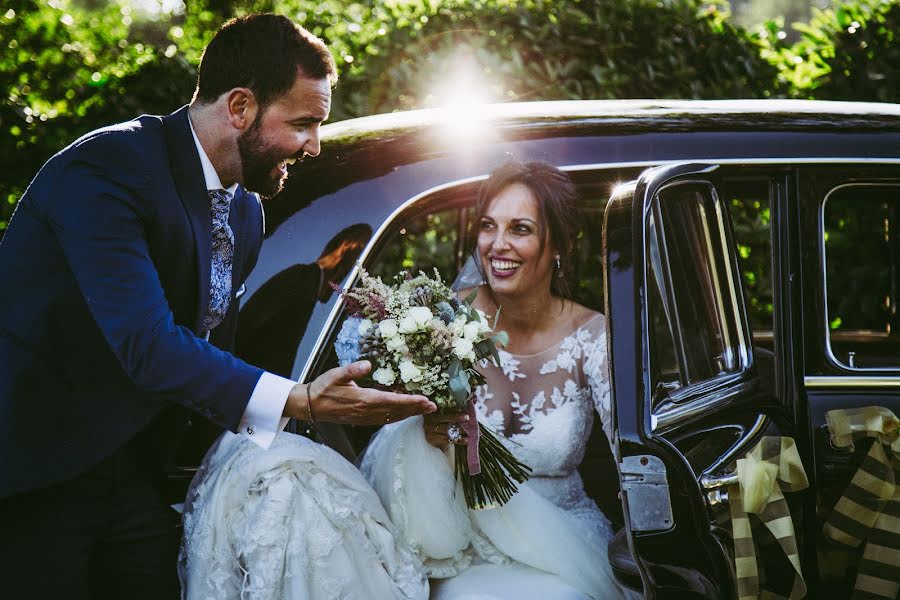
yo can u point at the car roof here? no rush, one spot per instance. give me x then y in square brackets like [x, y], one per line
[635, 115]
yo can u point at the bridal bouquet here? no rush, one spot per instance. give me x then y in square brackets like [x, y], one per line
[421, 339]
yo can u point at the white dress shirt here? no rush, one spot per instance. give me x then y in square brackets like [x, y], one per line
[262, 419]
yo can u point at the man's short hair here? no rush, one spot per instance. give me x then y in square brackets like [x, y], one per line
[263, 53]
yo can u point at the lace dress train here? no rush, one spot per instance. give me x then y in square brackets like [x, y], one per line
[295, 522]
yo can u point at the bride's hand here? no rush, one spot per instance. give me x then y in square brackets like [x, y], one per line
[334, 397]
[437, 424]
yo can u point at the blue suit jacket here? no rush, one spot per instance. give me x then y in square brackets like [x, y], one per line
[105, 272]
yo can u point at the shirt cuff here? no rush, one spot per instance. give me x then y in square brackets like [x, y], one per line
[263, 418]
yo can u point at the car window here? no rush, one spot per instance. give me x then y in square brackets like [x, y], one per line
[694, 310]
[424, 242]
[861, 244]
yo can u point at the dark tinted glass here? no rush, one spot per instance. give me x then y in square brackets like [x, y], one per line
[862, 253]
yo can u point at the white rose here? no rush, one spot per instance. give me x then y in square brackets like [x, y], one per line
[364, 326]
[462, 348]
[471, 330]
[396, 344]
[384, 376]
[407, 325]
[388, 328]
[483, 323]
[421, 314]
[409, 371]
[457, 328]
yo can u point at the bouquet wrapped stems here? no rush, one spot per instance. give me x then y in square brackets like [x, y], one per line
[494, 485]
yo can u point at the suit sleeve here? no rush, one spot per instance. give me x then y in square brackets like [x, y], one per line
[101, 219]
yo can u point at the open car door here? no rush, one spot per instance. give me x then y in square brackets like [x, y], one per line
[690, 393]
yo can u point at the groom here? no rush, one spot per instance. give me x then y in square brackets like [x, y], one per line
[128, 248]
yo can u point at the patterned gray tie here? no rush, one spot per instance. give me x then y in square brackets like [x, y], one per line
[222, 257]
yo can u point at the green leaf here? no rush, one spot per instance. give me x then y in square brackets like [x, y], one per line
[459, 387]
[454, 368]
[484, 348]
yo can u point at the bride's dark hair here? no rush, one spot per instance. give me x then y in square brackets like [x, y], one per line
[558, 212]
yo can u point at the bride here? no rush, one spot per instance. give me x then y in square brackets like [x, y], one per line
[550, 540]
[298, 521]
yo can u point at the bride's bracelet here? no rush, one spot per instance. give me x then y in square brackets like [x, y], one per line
[309, 403]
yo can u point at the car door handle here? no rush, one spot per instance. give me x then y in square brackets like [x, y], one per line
[711, 482]
[716, 488]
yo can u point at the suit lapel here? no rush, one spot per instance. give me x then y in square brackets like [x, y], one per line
[237, 221]
[188, 175]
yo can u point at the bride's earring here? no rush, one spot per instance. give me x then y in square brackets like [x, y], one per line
[559, 272]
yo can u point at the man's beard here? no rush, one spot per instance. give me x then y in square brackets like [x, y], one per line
[258, 161]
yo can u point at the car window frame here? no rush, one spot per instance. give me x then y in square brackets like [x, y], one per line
[688, 401]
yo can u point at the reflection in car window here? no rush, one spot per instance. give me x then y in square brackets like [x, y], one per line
[861, 244]
[664, 372]
[749, 207]
[693, 268]
[423, 243]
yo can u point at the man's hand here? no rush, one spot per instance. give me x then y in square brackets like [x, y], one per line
[335, 397]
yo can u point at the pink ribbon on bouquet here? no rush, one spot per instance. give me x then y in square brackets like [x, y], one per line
[474, 432]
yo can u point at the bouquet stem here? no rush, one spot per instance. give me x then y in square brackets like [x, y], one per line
[500, 471]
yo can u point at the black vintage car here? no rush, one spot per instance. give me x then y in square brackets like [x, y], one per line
[746, 254]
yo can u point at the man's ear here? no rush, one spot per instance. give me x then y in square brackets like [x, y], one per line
[242, 108]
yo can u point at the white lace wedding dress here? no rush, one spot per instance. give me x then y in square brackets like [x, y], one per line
[549, 541]
[294, 522]
[299, 522]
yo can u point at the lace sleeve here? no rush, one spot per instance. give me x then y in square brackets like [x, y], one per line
[596, 370]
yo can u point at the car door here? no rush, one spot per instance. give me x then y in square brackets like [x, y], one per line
[849, 250]
[691, 394]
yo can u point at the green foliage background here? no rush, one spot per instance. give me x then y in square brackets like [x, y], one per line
[69, 66]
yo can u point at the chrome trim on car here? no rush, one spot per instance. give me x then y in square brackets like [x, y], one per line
[737, 448]
[829, 353]
[672, 412]
[735, 161]
[853, 382]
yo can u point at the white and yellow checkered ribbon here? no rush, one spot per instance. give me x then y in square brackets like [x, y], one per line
[772, 467]
[869, 510]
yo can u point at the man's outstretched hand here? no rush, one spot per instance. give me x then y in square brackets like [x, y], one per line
[335, 397]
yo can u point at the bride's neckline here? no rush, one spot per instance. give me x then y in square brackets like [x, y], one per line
[558, 342]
